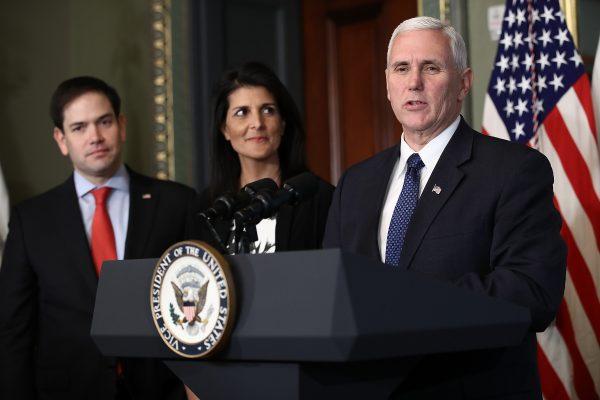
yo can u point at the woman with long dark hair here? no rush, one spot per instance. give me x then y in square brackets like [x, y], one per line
[258, 133]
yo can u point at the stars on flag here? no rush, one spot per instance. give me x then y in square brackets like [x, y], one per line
[509, 108]
[518, 40]
[543, 60]
[518, 130]
[548, 14]
[510, 18]
[559, 59]
[576, 58]
[530, 39]
[535, 16]
[562, 36]
[538, 105]
[503, 63]
[535, 64]
[521, 17]
[500, 85]
[545, 38]
[527, 61]
[541, 83]
[557, 82]
[514, 63]
[506, 41]
[525, 84]
[522, 107]
[512, 85]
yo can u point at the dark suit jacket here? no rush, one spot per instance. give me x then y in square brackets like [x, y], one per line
[47, 292]
[299, 227]
[492, 229]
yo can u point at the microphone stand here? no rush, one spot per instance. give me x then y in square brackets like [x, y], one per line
[213, 232]
[244, 234]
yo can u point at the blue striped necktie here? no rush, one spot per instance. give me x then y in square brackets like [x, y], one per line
[407, 202]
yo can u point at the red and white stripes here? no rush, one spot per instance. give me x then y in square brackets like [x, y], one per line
[569, 350]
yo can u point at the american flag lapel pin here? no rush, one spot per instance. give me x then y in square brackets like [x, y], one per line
[436, 189]
[146, 196]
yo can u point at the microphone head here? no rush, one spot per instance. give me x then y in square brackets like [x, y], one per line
[226, 204]
[302, 186]
[267, 184]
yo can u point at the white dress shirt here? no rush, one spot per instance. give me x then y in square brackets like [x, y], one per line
[430, 154]
[117, 205]
[265, 230]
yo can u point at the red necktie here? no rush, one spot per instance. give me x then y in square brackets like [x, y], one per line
[103, 236]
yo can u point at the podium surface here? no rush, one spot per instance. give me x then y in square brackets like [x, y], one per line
[308, 314]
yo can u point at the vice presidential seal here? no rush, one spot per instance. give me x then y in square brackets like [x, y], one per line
[192, 299]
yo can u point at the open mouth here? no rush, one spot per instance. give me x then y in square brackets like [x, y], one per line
[415, 105]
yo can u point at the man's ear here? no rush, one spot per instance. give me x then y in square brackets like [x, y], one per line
[59, 138]
[466, 79]
[122, 121]
[387, 87]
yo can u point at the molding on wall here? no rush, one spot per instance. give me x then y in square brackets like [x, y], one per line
[162, 61]
[440, 9]
[569, 7]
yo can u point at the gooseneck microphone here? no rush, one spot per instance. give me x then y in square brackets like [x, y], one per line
[266, 203]
[225, 205]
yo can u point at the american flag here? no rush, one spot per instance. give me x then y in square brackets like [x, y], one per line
[539, 95]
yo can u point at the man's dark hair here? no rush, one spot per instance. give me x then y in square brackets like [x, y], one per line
[225, 161]
[72, 88]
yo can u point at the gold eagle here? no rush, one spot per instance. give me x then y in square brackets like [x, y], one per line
[191, 295]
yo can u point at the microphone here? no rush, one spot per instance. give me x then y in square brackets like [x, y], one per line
[225, 205]
[265, 204]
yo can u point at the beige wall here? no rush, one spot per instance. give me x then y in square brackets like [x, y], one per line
[45, 42]
[482, 51]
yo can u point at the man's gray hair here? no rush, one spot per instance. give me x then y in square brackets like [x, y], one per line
[457, 44]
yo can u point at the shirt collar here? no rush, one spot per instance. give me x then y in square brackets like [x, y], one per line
[119, 181]
[432, 151]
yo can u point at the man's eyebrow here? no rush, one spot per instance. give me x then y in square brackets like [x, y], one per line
[432, 61]
[78, 123]
[74, 124]
[398, 63]
[423, 62]
[104, 116]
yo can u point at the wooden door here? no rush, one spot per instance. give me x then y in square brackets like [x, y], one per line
[348, 116]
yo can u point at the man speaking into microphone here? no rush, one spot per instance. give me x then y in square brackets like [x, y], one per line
[458, 206]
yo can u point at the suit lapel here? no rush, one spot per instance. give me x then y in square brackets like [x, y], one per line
[445, 177]
[142, 206]
[69, 225]
[377, 188]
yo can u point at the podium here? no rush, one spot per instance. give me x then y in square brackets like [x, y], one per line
[310, 325]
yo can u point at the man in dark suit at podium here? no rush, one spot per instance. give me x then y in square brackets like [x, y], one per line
[54, 252]
[458, 206]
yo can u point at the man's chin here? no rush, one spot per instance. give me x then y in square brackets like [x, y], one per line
[101, 170]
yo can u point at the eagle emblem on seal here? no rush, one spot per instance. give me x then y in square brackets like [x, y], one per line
[190, 293]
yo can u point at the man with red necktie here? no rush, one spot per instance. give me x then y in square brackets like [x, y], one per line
[54, 252]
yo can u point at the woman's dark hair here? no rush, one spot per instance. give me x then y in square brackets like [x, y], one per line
[225, 163]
